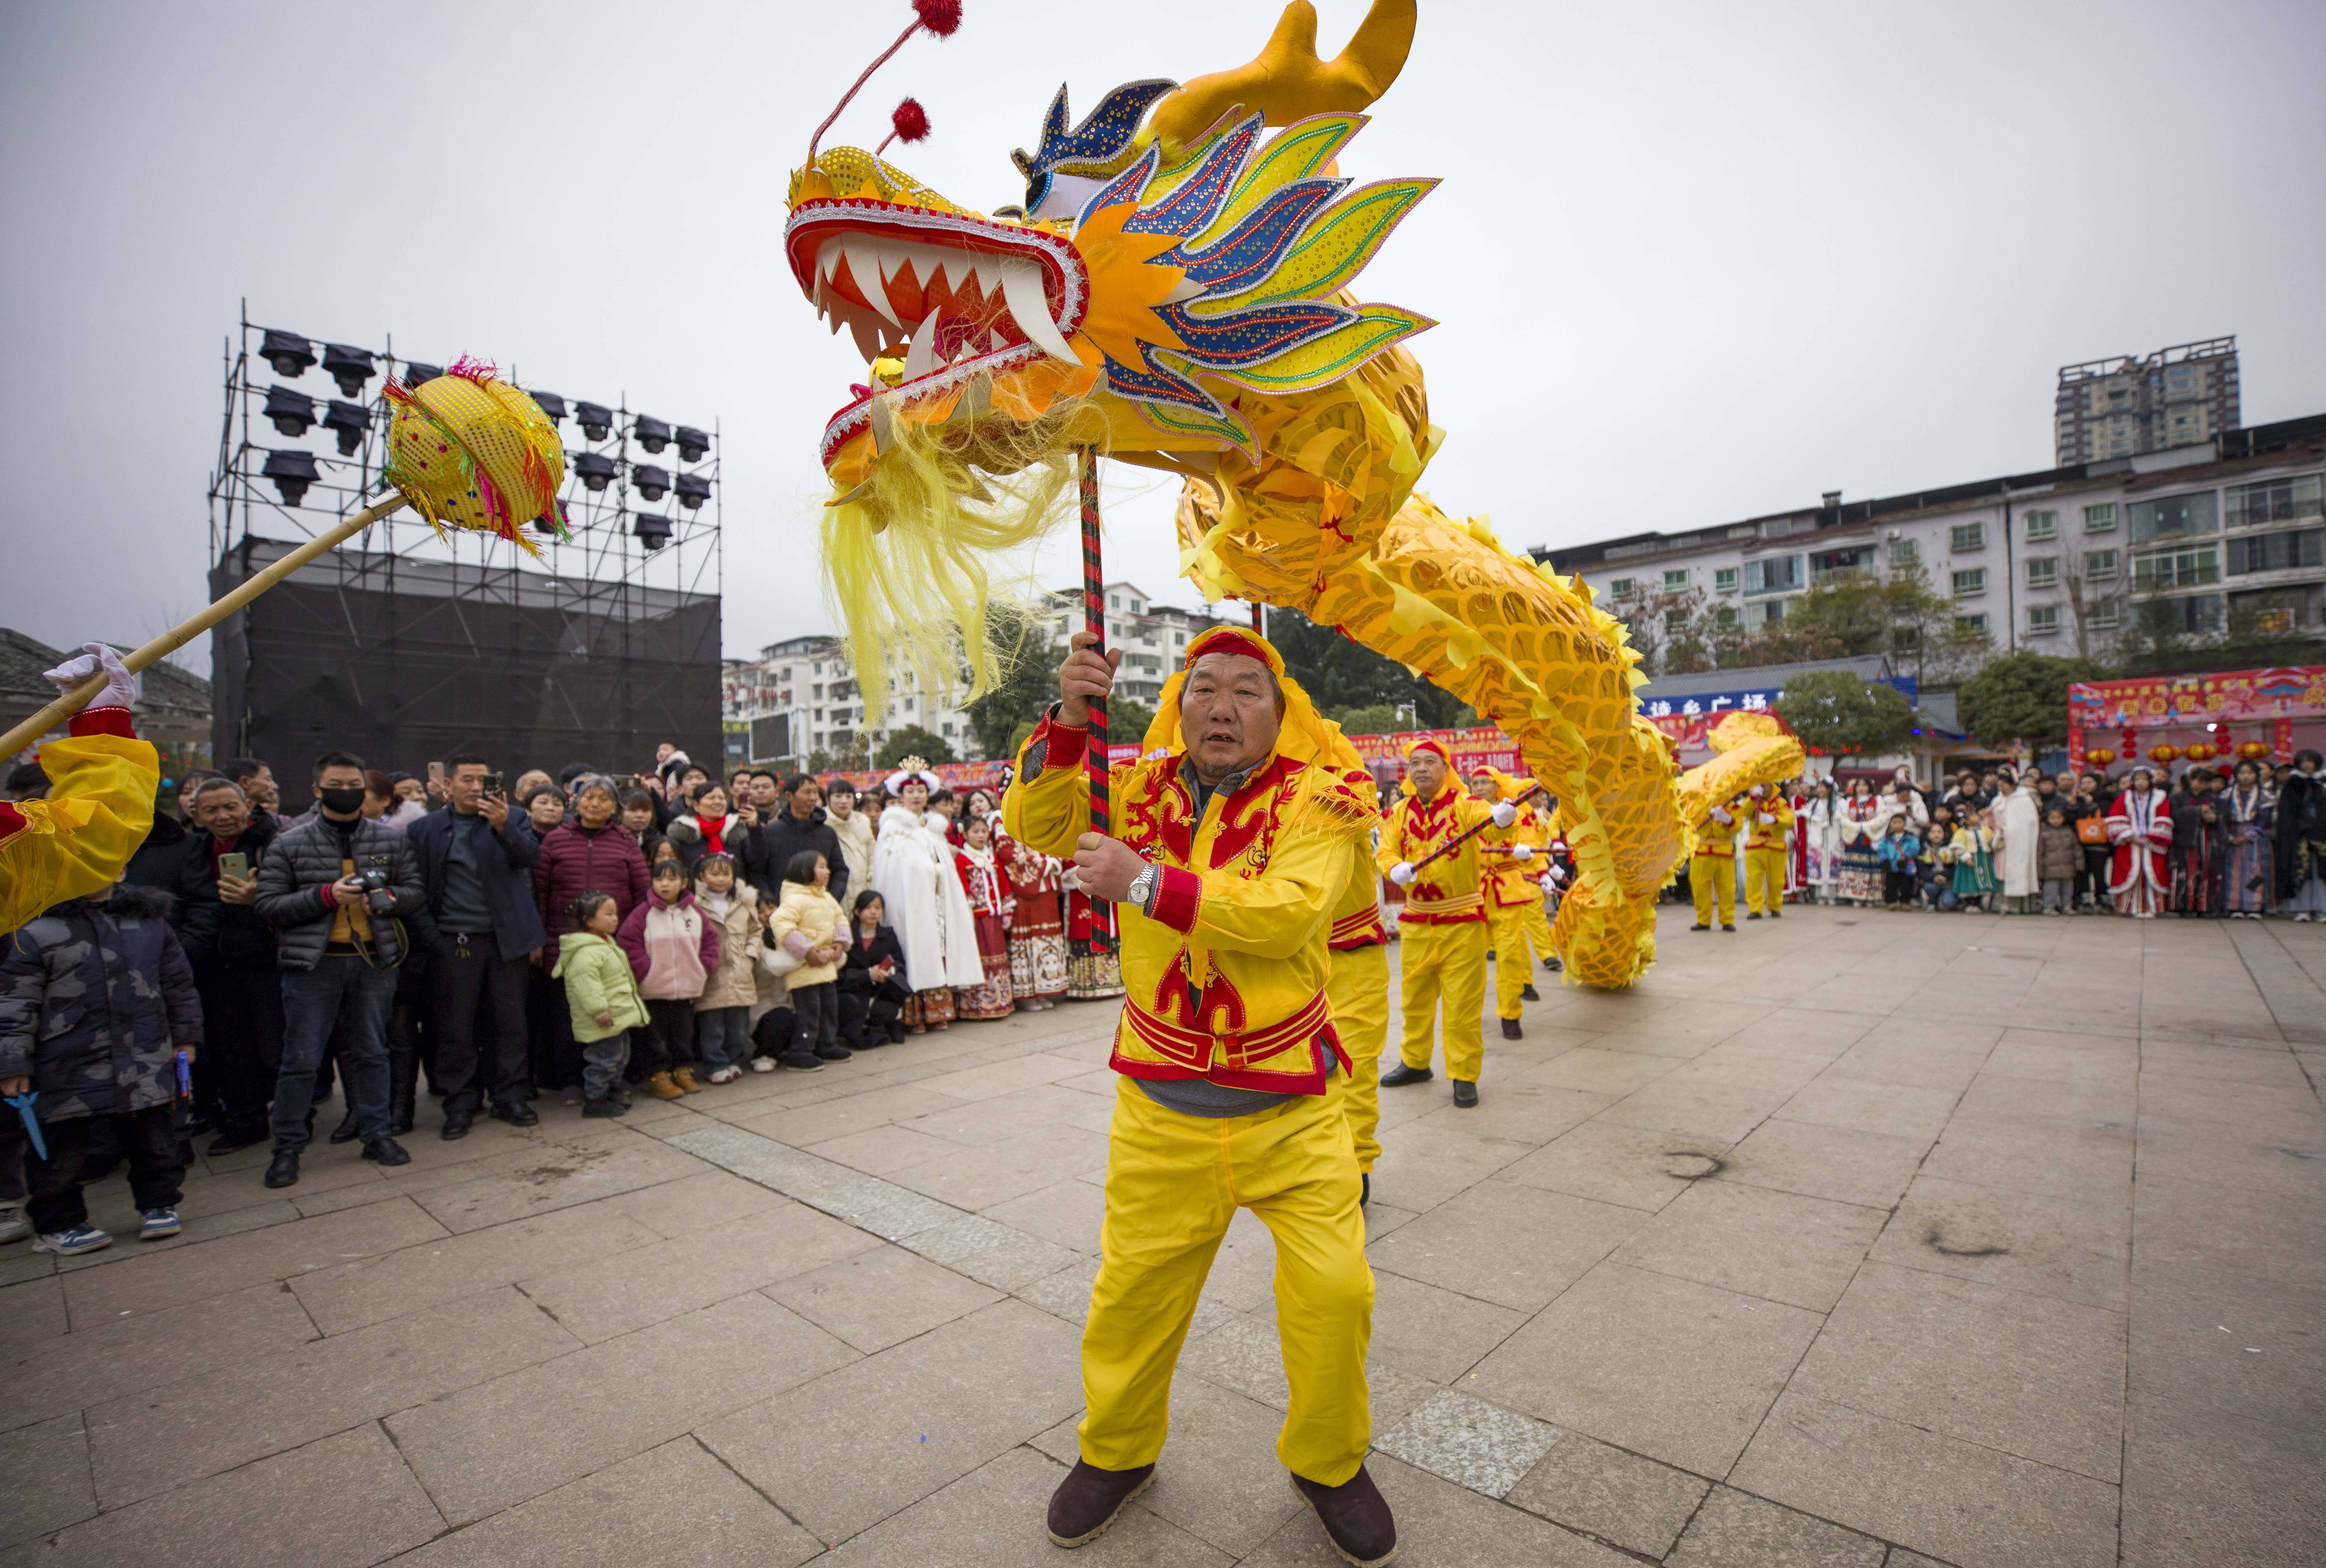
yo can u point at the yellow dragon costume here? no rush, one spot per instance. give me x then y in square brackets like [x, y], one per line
[1175, 292]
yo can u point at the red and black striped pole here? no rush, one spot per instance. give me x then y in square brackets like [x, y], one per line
[1095, 755]
[1258, 619]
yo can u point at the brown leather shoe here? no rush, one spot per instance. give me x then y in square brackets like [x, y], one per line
[1089, 1498]
[1355, 1517]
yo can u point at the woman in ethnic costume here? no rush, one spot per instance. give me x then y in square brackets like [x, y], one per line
[2249, 824]
[1038, 926]
[988, 888]
[913, 872]
[1863, 820]
[2140, 826]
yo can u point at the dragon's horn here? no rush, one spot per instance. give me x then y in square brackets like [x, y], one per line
[1288, 82]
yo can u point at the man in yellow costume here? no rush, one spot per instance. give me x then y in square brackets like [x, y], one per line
[1514, 859]
[1231, 853]
[1444, 927]
[1767, 820]
[1358, 989]
[100, 800]
[1712, 869]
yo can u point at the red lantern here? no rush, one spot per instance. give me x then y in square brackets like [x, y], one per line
[2163, 755]
[2198, 751]
[2254, 750]
[2100, 757]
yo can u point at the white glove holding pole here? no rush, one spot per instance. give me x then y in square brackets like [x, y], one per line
[120, 685]
[1402, 873]
[1523, 852]
[1722, 817]
[1505, 814]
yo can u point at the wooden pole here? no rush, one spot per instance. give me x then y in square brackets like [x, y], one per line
[178, 636]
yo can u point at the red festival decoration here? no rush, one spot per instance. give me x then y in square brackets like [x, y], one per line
[2254, 750]
[2100, 757]
[2163, 755]
[2198, 751]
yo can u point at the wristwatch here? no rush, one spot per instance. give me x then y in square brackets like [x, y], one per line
[1142, 887]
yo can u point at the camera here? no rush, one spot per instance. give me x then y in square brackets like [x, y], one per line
[376, 897]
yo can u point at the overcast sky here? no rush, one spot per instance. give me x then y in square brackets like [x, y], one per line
[1692, 262]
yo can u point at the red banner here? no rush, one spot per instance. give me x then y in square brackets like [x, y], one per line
[2263, 703]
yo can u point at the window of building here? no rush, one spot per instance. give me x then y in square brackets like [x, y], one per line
[1623, 587]
[1831, 565]
[2274, 501]
[2043, 526]
[1965, 537]
[1114, 601]
[2198, 613]
[948, 727]
[1971, 583]
[2099, 566]
[1724, 618]
[2176, 569]
[2100, 517]
[1676, 580]
[819, 669]
[2102, 617]
[1773, 574]
[2042, 620]
[2044, 572]
[2174, 517]
[1675, 622]
[2280, 551]
[1905, 552]
[819, 689]
[1724, 578]
[1976, 623]
[1767, 613]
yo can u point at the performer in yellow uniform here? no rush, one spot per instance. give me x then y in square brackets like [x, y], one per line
[100, 800]
[1513, 860]
[1767, 820]
[1444, 927]
[1358, 989]
[1712, 869]
[1231, 854]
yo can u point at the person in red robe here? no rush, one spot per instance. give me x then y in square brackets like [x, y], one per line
[988, 886]
[2140, 827]
[1038, 926]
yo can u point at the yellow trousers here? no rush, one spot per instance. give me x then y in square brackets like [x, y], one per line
[1765, 880]
[1711, 876]
[1173, 1182]
[1444, 963]
[1538, 928]
[1358, 991]
[1513, 965]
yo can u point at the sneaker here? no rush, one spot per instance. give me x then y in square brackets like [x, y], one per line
[1088, 1501]
[158, 1223]
[725, 1075]
[1355, 1517]
[14, 1226]
[763, 1064]
[661, 1087]
[609, 1105]
[684, 1078]
[81, 1237]
[801, 1061]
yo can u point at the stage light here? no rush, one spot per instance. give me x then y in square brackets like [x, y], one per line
[653, 483]
[595, 469]
[692, 443]
[694, 490]
[350, 368]
[348, 422]
[414, 373]
[596, 419]
[290, 412]
[653, 532]
[652, 434]
[288, 352]
[291, 473]
[550, 405]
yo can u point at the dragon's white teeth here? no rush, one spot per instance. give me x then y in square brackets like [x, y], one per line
[827, 257]
[923, 359]
[864, 266]
[988, 270]
[867, 334]
[1021, 289]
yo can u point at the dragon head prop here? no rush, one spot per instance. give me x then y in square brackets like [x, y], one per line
[1170, 263]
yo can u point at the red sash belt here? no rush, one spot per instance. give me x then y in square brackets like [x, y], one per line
[1194, 1049]
[1362, 929]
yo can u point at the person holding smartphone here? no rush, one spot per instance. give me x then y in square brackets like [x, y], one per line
[232, 953]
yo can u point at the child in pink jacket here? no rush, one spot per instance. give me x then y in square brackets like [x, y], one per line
[674, 950]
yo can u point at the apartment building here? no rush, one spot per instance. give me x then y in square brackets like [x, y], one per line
[2180, 396]
[2056, 562]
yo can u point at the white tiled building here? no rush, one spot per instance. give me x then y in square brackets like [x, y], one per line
[2052, 561]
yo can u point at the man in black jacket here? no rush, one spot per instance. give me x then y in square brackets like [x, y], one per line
[476, 862]
[797, 824]
[335, 887]
[232, 952]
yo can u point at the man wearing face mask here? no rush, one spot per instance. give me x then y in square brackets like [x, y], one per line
[336, 887]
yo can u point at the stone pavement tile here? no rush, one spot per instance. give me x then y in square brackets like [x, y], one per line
[49, 1485]
[1596, 1071]
[18, 1265]
[1733, 1530]
[1755, 1242]
[1993, 1096]
[844, 1114]
[1689, 1027]
[2059, 1057]
[1244, 1270]
[1219, 1478]
[1518, 1246]
[1067, 1295]
[1380, 1219]
[1519, 1111]
[2203, 1487]
[881, 1298]
[1802, 1031]
[148, 1283]
[1679, 1371]
[1957, 1501]
[692, 1203]
[1631, 1166]
[214, 1421]
[877, 1151]
[1869, 1169]
[355, 1295]
[1881, 1059]
[111, 1209]
[2024, 1240]
[1068, 1212]
[989, 1253]
[631, 1290]
[346, 1501]
[2283, 1112]
[998, 1078]
[1901, 1558]
[1899, 1109]
[107, 1360]
[847, 1450]
[1468, 1442]
[867, 1202]
[2273, 1064]
[34, 1310]
[2028, 1375]
[1692, 1104]
[1439, 1523]
[1014, 1115]
[978, 1178]
[672, 1506]
[2265, 1156]
[991, 1517]
[2236, 1343]
[1634, 1503]
[2218, 1227]
[1244, 1354]
[558, 1176]
[1425, 1164]
[498, 1444]
[1759, 1066]
[1430, 1333]
[2087, 1164]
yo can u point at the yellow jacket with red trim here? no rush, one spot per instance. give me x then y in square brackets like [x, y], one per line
[1446, 892]
[100, 807]
[1357, 914]
[1715, 837]
[1511, 881]
[1226, 979]
[1771, 834]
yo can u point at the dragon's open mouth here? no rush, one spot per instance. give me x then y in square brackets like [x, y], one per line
[958, 296]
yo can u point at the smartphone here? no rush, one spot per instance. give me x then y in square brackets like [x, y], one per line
[494, 785]
[236, 865]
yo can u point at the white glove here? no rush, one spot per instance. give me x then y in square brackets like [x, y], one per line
[120, 685]
[1523, 852]
[1071, 878]
[1553, 875]
[1763, 817]
[1402, 873]
[1505, 814]
[1722, 817]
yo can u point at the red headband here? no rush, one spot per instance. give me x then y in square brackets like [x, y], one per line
[1229, 640]
[1436, 746]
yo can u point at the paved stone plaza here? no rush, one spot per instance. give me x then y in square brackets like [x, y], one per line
[1852, 1239]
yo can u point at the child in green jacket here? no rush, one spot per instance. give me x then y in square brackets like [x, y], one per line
[604, 996]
